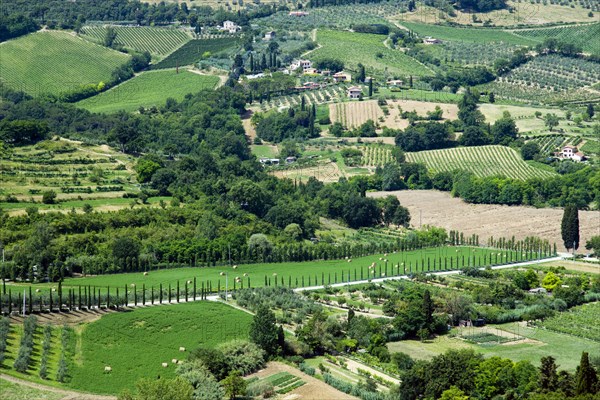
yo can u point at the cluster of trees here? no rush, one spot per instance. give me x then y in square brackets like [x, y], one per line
[460, 374]
[425, 136]
[480, 5]
[275, 126]
[15, 25]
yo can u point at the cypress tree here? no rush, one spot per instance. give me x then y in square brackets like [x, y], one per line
[585, 377]
[570, 227]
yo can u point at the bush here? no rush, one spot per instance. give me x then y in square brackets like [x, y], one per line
[243, 356]
[49, 197]
[260, 388]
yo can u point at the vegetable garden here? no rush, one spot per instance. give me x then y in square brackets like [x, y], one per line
[481, 161]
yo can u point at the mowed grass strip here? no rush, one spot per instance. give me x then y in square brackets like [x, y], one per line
[353, 48]
[468, 34]
[481, 160]
[151, 88]
[54, 62]
[135, 344]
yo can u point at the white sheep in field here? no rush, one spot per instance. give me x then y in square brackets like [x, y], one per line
[180, 362]
[349, 260]
[189, 282]
[182, 349]
[165, 365]
[174, 361]
[107, 369]
[145, 274]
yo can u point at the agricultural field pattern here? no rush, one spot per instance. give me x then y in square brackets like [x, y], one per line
[300, 200]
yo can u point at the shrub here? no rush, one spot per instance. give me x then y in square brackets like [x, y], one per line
[243, 356]
[260, 388]
[49, 197]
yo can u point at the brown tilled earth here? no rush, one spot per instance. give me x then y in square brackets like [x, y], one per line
[429, 207]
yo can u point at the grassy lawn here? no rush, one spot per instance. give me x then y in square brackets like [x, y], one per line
[264, 151]
[55, 62]
[13, 391]
[565, 349]
[149, 89]
[368, 49]
[136, 343]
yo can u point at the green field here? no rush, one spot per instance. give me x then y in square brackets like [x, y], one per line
[195, 50]
[585, 36]
[368, 49]
[481, 160]
[55, 62]
[149, 89]
[135, 344]
[565, 349]
[159, 42]
[264, 150]
[320, 272]
[468, 34]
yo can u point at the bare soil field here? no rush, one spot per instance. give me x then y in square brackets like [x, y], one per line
[429, 207]
[394, 119]
[312, 389]
[575, 266]
[524, 13]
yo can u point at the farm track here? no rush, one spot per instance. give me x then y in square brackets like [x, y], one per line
[68, 394]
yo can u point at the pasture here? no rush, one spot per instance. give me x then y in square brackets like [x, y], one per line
[180, 284]
[368, 49]
[149, 89]
[480, 160]
[135, 344]
[55, 62]
[15, 391]
[159, 42]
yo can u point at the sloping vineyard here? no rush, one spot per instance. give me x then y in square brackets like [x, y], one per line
[156, 41]
[550, 143]
[584, 36]
[194, 50]
[549, 79]
[481, 161]
[474, 53]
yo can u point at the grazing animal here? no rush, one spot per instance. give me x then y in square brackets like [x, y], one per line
[107, 369]
[165, 365]
[182, 349]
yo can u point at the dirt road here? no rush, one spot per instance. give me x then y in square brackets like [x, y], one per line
[67, 394]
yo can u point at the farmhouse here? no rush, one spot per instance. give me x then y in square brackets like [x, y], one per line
[354, 92]
[395, 83]
[570, 153]
[270, 35]
[304, 64]
[341, 77]
[430, 40]
[298, 14]
[231, 27]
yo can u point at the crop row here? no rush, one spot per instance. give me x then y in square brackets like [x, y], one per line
[195, 50]
[156, 41]
[580, 321]
[584, 36]
[374, 156]
[481, 161]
